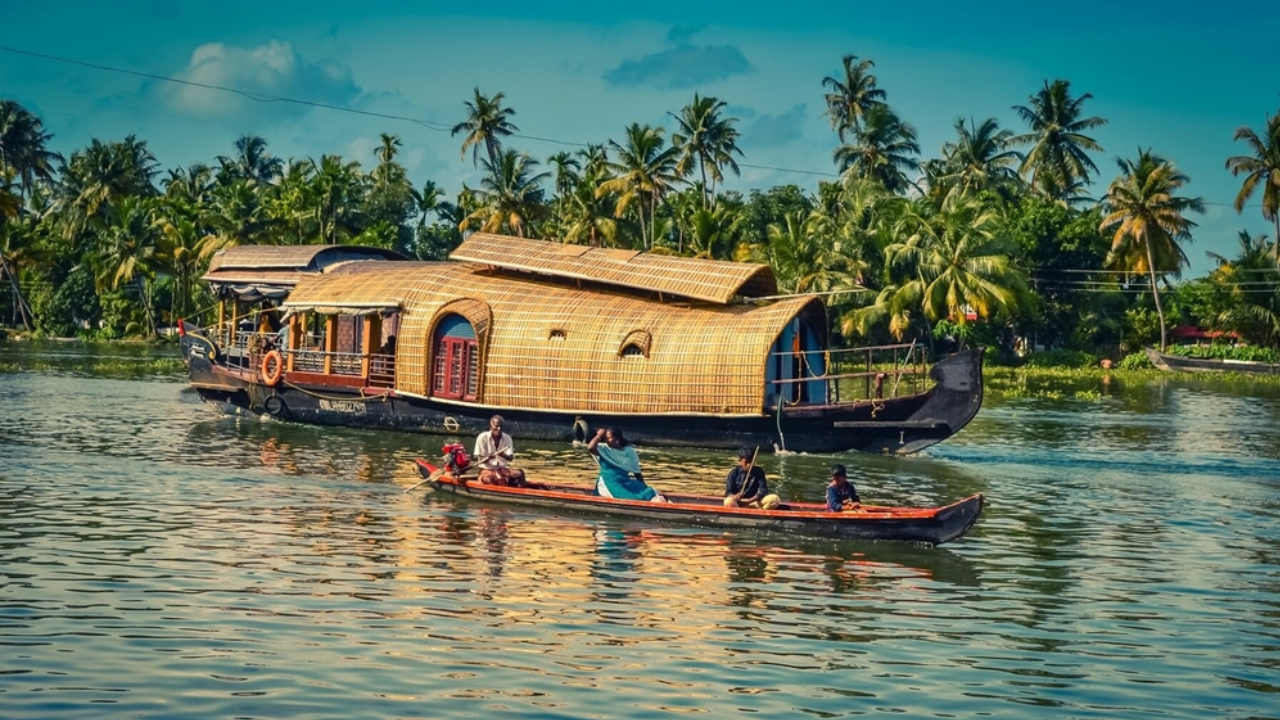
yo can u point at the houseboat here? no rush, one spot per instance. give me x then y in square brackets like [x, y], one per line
[561, 340]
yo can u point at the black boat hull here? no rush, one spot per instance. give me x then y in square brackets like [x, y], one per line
[895, 425]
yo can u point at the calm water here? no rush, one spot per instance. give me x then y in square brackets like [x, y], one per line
[158, 560]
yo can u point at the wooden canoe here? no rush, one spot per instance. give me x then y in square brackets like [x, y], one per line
[934, 525]
[1165, 361]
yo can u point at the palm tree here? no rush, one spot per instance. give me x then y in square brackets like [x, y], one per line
[881, 149]
[644, 171]
[290, 205]
[510, 196]
[979, 160]
[804, 258]
[100, 176]
[1263, 167]
[428, 201]
[708, 139]
[16, 248]
[712, 231]
[565, 165]
[178, 253]
[852, 96]
[128, 237]
[388, 172]
[1149, 221]
[951, 261]
[238, 217]
[591, 216]
[22, 146]
[336, 193]
[252, 161]
[1254, 311]
[1058, 158]
[487, 122]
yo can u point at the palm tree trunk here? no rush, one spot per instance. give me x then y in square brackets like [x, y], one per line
[1275, 246]
[1156, 293]
[644, 232]
[491, 144]
[19, 302]
[703, 168]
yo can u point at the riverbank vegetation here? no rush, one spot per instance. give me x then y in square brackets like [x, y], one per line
[995, 238]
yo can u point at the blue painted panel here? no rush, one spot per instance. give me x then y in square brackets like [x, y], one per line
[455, 326]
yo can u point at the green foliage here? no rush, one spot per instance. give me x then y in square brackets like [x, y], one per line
[1142, 327]
[994, 224]
[62, 312]
[1226, 352]
[1062, 358]
[122, 316]
[1135, 361]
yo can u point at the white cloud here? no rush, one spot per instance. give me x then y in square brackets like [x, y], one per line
[274, 68]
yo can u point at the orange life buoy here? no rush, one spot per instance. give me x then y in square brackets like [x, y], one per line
[272, 368]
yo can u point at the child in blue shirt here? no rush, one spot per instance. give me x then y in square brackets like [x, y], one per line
[841, 494]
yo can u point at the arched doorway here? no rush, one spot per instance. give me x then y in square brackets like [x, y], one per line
[795, 358]
[455, 371]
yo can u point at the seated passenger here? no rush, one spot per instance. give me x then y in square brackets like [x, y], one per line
[620, 475]
[746, 485]
[841, 494]
[494, 452]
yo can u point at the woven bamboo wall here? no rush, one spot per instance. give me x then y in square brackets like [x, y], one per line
[704, 359]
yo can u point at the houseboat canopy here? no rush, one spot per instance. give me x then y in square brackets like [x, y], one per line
[716, 281]
[253, 273]
[541, 344]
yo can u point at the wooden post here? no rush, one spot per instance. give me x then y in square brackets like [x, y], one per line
[370, 342]
[867, 378]
[235, 324]
[222, 317]
[296, 329]
[330, 342]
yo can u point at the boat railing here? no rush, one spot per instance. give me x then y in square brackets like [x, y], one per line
[245, 349]
[877, 371]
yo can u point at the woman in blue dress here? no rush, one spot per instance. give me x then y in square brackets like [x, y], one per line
[620, 475]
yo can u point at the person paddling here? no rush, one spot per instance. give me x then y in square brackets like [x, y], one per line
[746, 485]
[620, 475]
[495, 450]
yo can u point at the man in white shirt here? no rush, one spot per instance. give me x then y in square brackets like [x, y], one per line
[494, 452]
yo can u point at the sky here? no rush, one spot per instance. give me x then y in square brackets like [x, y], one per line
[1175, 76]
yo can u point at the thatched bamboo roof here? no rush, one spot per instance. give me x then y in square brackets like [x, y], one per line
[253, 273]
[711, 280]
[549, 346]
[299, 258]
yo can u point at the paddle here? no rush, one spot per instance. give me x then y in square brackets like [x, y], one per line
[433, 476]
[746, 479]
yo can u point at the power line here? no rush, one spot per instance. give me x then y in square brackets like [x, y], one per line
[430, 125]
[268, 98]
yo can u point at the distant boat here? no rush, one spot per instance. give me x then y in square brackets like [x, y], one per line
[1165, 361]
[932, 525]
[561, 340]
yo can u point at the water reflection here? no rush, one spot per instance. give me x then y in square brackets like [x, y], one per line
[1122, 568]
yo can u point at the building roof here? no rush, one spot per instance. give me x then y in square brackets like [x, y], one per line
[715, 281]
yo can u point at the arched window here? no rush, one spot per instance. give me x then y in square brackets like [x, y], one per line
[635, 345]
[557, 335]
[455, 371]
